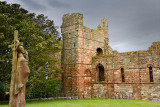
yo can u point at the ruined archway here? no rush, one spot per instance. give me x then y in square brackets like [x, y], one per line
[87, 84]
[99, 51]
[101, 75]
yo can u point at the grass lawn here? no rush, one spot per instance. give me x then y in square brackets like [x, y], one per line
[92, 103]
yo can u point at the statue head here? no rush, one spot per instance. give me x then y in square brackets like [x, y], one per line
[20, 49]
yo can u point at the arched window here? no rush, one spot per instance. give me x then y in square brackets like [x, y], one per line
[101, 72]
[151, 74]
[99, 51]
[122, 75]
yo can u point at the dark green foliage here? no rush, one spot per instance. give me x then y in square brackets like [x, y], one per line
[44, 84]
[40, 38]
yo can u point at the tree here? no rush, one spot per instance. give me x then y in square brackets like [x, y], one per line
[40, 38]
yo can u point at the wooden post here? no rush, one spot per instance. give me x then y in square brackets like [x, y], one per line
[14, 47]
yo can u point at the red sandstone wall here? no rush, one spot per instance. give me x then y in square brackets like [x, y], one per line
[80, 62]
[137, 83]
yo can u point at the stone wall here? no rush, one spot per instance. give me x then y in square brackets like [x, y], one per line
[136, 65]
[81, 61]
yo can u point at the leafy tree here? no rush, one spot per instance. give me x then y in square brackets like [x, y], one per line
[40, 38]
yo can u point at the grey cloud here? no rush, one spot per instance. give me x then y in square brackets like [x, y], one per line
[133, 24]
[57, 4]
[34, 5]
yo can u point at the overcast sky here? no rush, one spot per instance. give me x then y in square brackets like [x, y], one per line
[133, 24]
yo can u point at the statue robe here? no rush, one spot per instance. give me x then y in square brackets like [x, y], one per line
[22, 74]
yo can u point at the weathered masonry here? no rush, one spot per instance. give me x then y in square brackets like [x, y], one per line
[93, 70]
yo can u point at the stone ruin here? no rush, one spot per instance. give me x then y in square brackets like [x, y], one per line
[93, 70]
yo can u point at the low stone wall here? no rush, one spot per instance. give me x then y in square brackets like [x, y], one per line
[99, 91]
[127, 91]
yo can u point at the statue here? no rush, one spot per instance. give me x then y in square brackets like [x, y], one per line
[20, 73]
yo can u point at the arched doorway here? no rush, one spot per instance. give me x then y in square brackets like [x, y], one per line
[87, 84]
[100, 69]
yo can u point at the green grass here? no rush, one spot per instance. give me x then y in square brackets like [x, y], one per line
[92, 103]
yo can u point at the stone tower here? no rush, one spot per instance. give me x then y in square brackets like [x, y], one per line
[80, 44]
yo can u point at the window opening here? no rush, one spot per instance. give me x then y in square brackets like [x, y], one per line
[101, 72]
[122, 74]
[151, 74]
[99, 51]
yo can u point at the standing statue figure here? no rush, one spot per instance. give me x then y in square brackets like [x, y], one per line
[20, 73]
